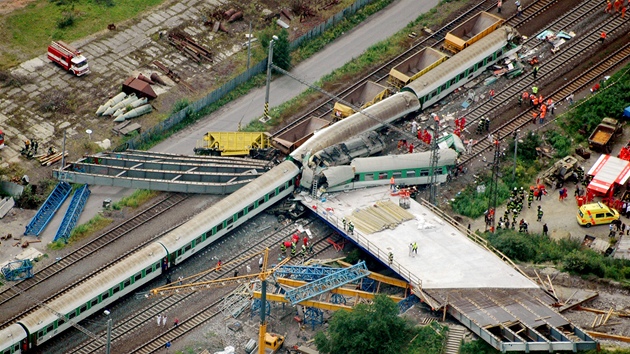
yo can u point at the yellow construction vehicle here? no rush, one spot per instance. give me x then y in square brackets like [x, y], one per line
[268, 343]
[234, 144]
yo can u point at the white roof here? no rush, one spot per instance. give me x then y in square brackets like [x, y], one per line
[395, 162]
[607, 171]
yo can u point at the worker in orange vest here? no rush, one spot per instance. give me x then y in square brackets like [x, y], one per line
[608, 7]
[535, 101]
[525, 97]
[392, 183]
[540, 99]
[623, 12]
[549, 102]
[542, 117]
[602, 37]
[617, 5]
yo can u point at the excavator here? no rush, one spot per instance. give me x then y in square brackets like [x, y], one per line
[268, 343]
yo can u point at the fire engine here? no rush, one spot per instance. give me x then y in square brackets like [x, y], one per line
[68, 57]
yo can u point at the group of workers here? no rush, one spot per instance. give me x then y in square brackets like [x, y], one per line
[536, 100]
[483, 125]
[618, 6]
[30, 148]
[515, 206]
[295, 239]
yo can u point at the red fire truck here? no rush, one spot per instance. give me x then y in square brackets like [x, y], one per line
[68, 57]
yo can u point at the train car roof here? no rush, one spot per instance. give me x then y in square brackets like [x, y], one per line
[397, 162]
[385, 111]
[461, 61]
[94, 286]
[11, 335]
[230, 205]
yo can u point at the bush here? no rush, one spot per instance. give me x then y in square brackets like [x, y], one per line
[66, 20]
[584, 262]
[561, 143]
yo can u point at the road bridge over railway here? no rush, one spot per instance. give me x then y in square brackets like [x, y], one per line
[164, 172]
[453, 270]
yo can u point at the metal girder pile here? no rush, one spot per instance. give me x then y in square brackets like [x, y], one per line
[376, 218]
[189, 47]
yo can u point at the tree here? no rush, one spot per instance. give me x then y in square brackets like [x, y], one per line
[282, 50]
[374, 328]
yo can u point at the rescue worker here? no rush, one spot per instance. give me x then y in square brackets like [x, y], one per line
[623, 12]
[305, 241]
[540, 213]
[525, 97]
[602, 38]
[522, 194]
[535, 71]
[530, 199]
[506, 214]
[27, 144]
[514, 192]
[617, 5]
[351, 228]
[303, 252]
[535, 89]
[283, 249]
[310, 248]
[608, 7]
[486, 124]
[390, 258]
[480, 126]
[344, 224]
[535, 101]
[293, 250]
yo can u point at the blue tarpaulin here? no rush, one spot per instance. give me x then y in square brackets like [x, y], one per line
[626, 112]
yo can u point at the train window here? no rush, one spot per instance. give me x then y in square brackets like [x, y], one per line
[489, 59]
[137, 277]
[115, 289]
[397, 174]
[61, 321]
[198, 240]
[188, 247]
[500, 52]
[368, 177]
[50, 328]
[40, 334]
[443, 87]
[93, 302]
[240, 214]
[220, 227]
[479, 65]
[453, 81]
[105, 296]
[439, 171]
[126, 283]
[229, 221]
[250, 208]
[462, 76]
[72, 315]
[148, 270]
[411, 173]
[282, 188]
[356, 178]
[261, 201]
[424, 172]
[82, 309]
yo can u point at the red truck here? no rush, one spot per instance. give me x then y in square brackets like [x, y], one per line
[68, 57]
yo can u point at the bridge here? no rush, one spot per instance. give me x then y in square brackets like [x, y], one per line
[454, 270]
[164, 172]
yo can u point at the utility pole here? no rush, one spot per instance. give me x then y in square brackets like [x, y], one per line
[109, 335]
[269, 64]
[494, 185]
[515, 150]
[435, 159]
[249, 44]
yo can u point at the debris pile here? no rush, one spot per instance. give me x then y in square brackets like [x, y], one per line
[189, 47]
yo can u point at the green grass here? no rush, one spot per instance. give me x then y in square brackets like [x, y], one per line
[28, 31]
[136, 199]
[82, 231]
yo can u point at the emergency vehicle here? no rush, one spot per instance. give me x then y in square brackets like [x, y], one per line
[68, 58]
[596, 214]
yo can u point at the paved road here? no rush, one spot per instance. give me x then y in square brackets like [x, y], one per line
[250, 107]
[247, 108]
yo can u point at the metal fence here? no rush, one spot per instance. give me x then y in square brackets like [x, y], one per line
[217, 94]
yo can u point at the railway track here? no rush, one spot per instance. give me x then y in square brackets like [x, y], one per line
[517, 86]
[65, 264]
[524, 118]
[434, 40]
[137, 320]
[325, 108]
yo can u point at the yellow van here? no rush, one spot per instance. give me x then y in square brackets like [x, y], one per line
[596, 214]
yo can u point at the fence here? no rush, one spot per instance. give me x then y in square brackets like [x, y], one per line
[217, 94]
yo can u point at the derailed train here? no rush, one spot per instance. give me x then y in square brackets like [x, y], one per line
[205, 228]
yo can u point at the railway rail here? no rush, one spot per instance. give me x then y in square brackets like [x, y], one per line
[324, 108]
[434, 40]
[66, 264]
[135, 321]
[570, 52]
[524, 118]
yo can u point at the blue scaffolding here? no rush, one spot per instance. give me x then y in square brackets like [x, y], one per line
[18, 270]
[255, 308]
[327, 283]
[406, 303]
[304, 273]
[314, 317]
[48, 209]
[71, 217]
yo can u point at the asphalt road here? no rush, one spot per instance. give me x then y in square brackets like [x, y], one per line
[250, 107]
